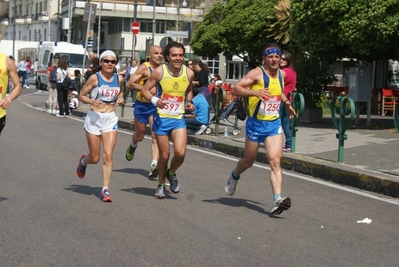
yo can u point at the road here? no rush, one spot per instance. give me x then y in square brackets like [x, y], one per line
[52, 218]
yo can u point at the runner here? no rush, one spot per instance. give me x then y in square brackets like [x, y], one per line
[173, 81]
[101, 121]
[143, 109]
[7, 71]
[263, 124]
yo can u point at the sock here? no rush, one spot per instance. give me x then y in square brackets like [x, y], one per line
[276, 196]
[170, 174]
[235, 175]
[83, 162]
[161, 184]
[105, 188]
[154, 162]
[133, 145]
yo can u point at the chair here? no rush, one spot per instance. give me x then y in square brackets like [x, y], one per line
[388, 101]
[376, 100]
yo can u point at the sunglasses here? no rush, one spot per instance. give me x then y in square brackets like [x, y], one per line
[109, 61]
[283, 58]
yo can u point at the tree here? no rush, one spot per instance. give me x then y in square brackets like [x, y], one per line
[239, 26]
[333, 29]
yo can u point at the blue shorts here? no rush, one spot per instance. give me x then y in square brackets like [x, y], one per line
[143, 111]
[163, 126]
[258, 130]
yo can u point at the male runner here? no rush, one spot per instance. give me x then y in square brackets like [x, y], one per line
[263, 124]
[143, 109]
[173, 81]
[7, 71]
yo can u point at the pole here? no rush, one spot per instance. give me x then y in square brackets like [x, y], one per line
[87, 39]
[49, 22]
[133, 36]
[153, 23]
[99, 29]
[13, 28]
[58, 22]
[69, 21]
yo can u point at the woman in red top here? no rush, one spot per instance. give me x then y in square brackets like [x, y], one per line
[289, 86]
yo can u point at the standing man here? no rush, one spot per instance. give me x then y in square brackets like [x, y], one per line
[263, 124]
[143, 109]
[7, 71]
[173, 81]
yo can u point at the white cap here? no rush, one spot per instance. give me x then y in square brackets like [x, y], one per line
[107, 53]
[218, 82]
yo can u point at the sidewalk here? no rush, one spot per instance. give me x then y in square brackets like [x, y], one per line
[370, 154]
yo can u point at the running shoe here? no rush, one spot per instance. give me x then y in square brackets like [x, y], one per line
[286, 148]
[174, 184]
[153, 171]
[281, 204]
[130, 152]
[230, 187]
[105, 196]
[81, 170]
[160, 192]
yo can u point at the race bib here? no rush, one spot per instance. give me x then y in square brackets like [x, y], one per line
[174, 104]
[271, 106]
[108, 94]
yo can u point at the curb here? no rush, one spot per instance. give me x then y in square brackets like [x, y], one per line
[339, 173]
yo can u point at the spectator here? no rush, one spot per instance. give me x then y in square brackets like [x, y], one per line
[289, 86]
[21, 68]
[190, 65]
[27, 73]
[201, 80]
[52, 89]
[95, 67]
[74, 102]
[62, 93]
[35, 74]
[198, 120]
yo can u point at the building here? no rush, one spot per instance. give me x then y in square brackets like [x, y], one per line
[111, 26]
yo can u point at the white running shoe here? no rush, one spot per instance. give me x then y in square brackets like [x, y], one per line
[201, 130]
[230, 187]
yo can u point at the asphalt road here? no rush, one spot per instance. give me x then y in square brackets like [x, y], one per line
[49, 217]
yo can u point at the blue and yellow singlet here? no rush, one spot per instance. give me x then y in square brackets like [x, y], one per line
[172, 90]
[142, 81]
[266, 110]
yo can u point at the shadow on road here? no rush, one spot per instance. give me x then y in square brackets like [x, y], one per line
[141, 172]
[85, 190]
[239, 202]
[147, 192]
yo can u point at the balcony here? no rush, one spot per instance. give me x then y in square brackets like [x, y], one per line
[43, 16]
[27, 20]
[4, 22]
[125, 9]
[19, 19]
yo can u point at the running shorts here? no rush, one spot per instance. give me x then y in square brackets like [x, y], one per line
[163, 126]
[258, 130]
[143, 111]
[97, 122]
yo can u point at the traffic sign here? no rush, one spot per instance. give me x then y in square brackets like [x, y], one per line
[135, 27]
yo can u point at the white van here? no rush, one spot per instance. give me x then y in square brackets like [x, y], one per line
[49, 50]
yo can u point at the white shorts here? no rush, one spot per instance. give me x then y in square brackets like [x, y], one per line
[96, 123]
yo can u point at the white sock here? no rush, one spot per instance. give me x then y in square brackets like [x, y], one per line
[105, 188]
[154, 162]
[83, 162]
[133, 145]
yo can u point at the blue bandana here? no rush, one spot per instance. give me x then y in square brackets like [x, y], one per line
[273, 50]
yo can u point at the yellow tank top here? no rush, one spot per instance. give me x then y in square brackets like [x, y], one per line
[3, 81]
[172, 90]
[266, 110]
[139, 96]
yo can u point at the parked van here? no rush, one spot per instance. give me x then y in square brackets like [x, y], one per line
[50, 50]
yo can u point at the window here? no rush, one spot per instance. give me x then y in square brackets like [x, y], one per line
[213, 64]
[161, 25]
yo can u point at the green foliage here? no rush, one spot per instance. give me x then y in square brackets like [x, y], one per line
[313, 76]
[233, 28]
[332, 29]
